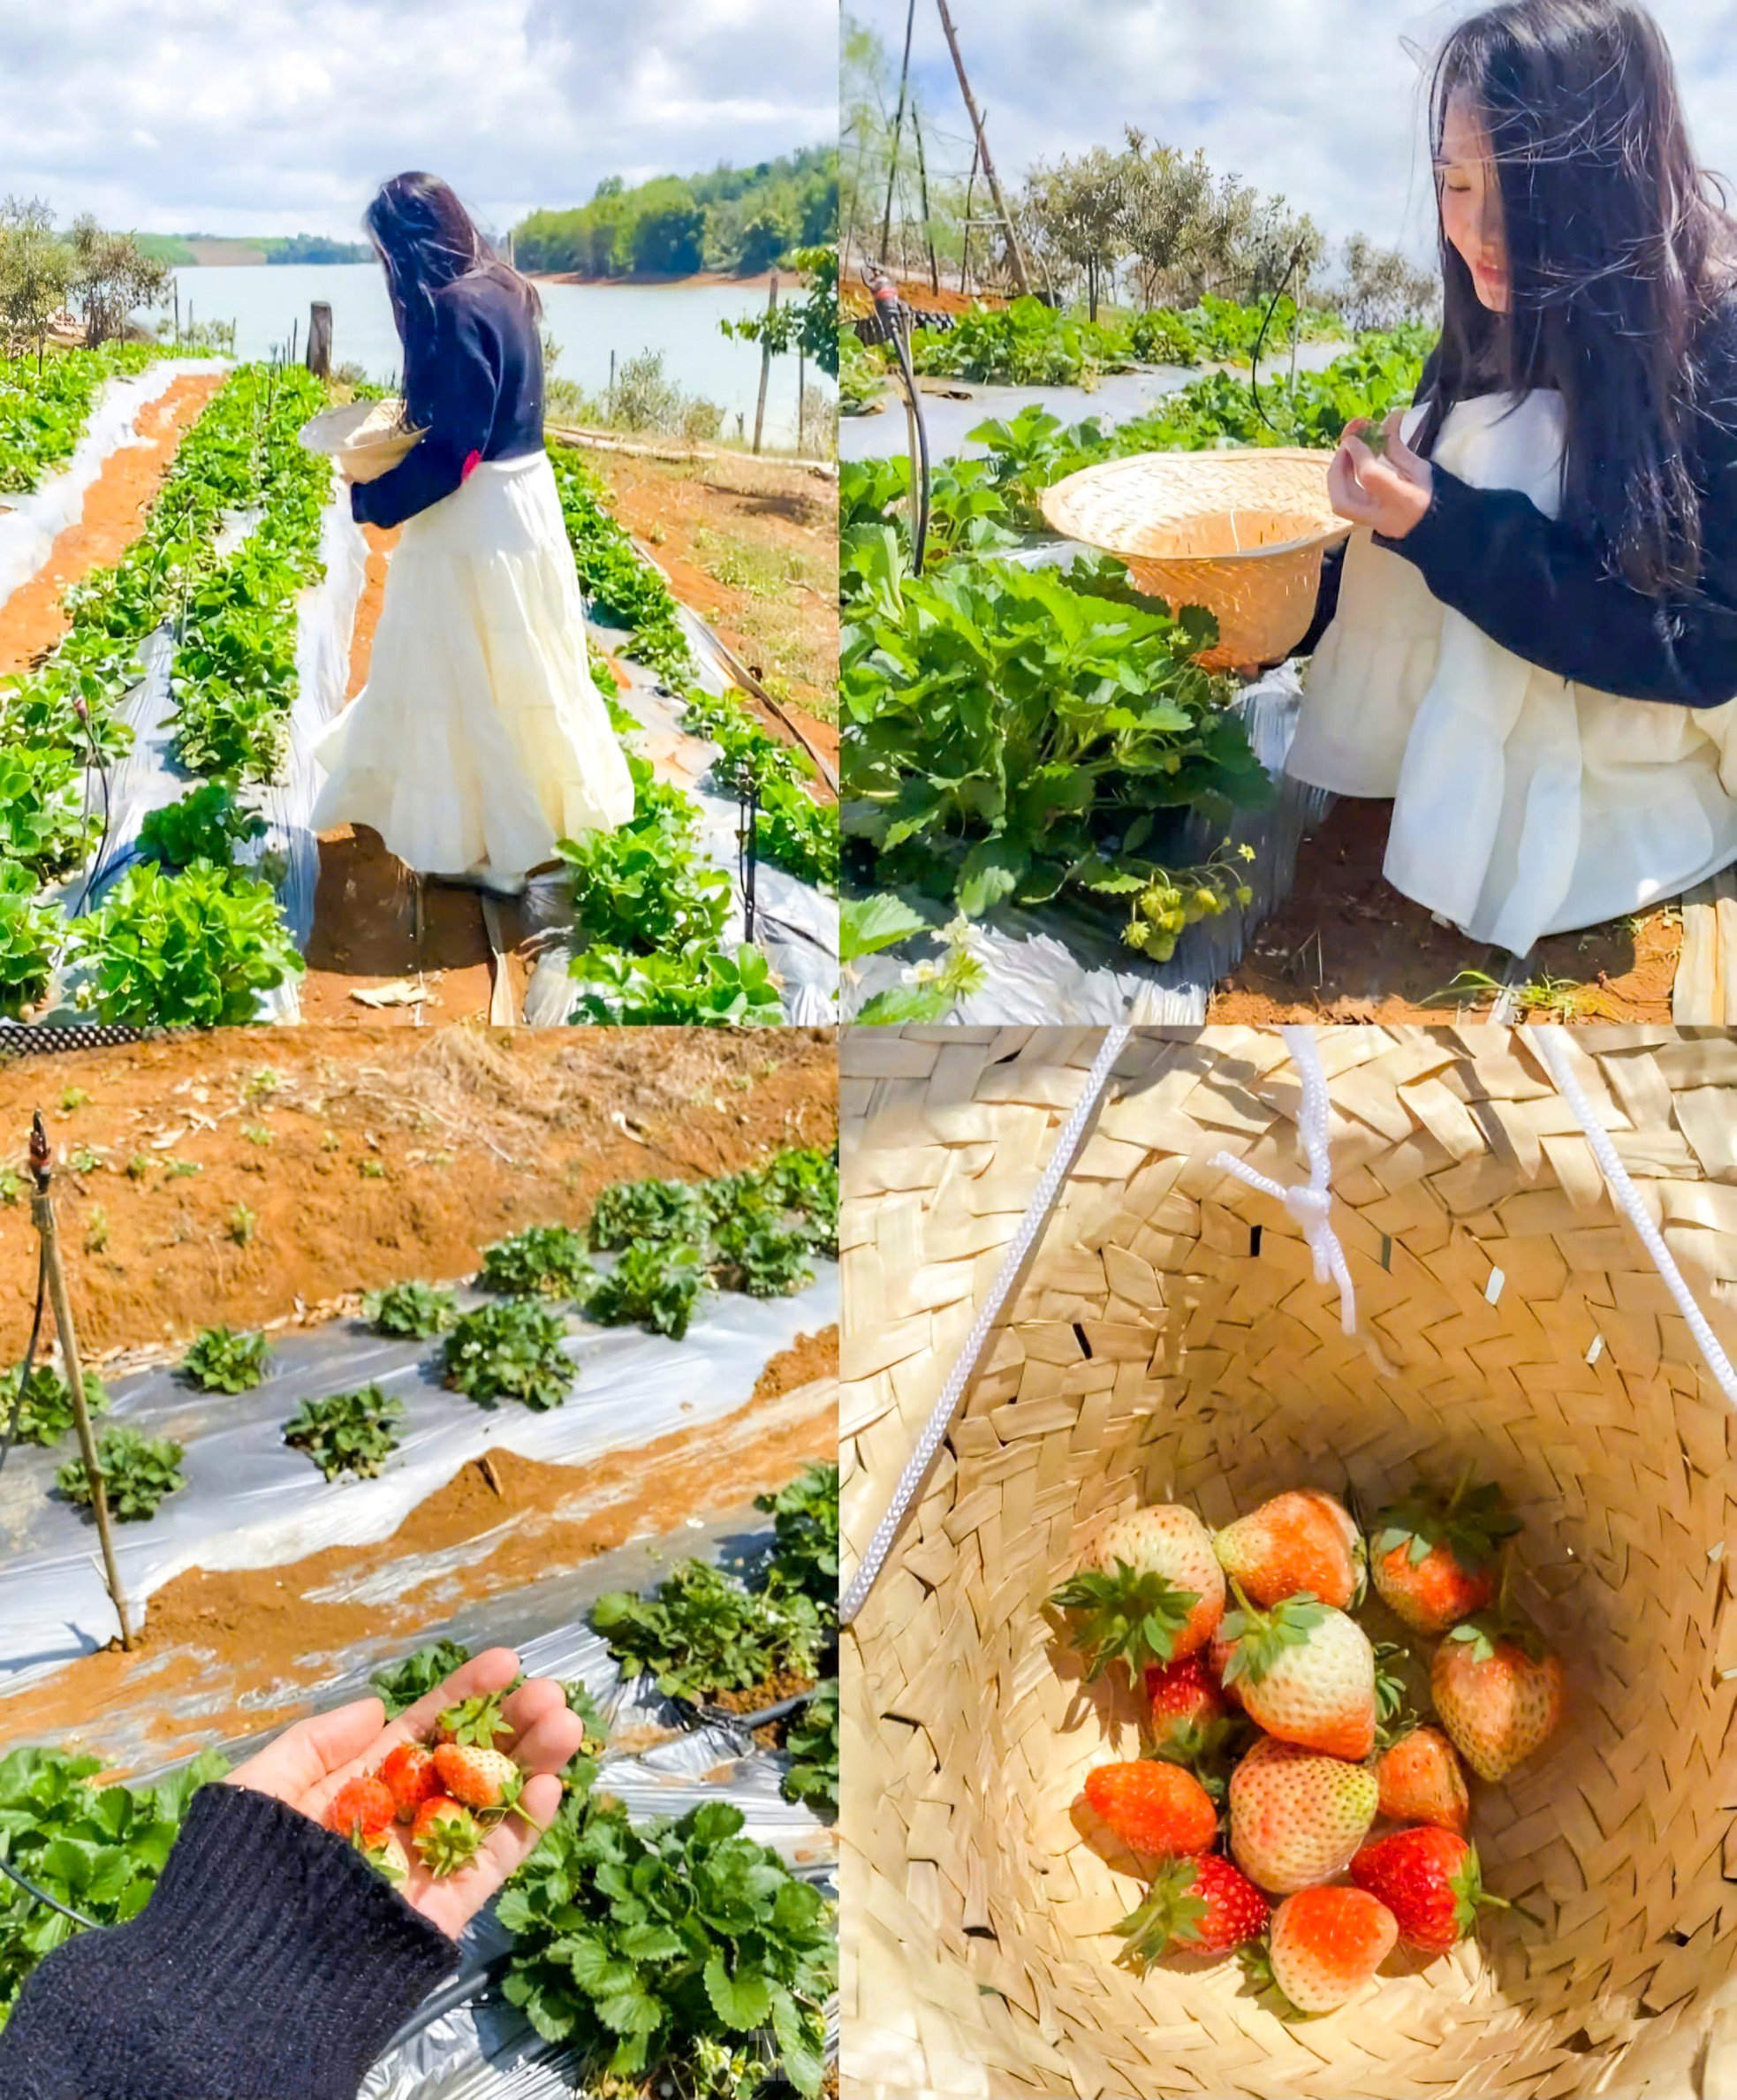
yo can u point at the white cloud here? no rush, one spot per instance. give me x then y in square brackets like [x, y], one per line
[281, 116]
[1319, 99]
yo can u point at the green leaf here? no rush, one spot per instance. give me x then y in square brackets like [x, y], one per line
[867, 924]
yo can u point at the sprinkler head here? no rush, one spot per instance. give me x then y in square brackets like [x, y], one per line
[38, 1152]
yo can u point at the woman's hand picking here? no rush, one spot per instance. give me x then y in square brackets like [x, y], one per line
[1388, 491]
[307, 1765]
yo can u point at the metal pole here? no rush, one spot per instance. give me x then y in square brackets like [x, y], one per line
[765, 367]
[41, 1211]
[1015, 254]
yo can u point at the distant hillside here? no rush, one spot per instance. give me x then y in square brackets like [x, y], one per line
[183, 250]
[738, 220]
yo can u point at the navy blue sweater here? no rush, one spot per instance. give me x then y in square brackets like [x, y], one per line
[1548, 593]
[475, 386]
[271, 1963]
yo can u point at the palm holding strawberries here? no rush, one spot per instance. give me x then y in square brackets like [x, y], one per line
[309, 1767]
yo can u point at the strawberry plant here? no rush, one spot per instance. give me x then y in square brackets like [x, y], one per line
[47, 1414]
[543, 1261]
[98, 1850]
[580, 1702]
[802, 1184]
[45, 407]
[647, 887]
[208, 823]
[700, 988]
[630, 1211]
[657, 1284]
[805, 1525]
[703, 1632]
[221, 1360]
[662, 1954]
[43, 820]
[414, 1311]
[811, 1743]
[195, 948]
[761, 1258]
[29, 939]
[510, 1351]
[348, 1432]
[401, 1684]
[138, 1472]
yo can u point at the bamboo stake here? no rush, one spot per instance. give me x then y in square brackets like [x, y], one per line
[41, 1210]
[765, 367]
[898, 127]
[1015, 253]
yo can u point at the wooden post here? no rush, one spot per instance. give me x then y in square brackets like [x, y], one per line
[765, 368]
[295, 340]
[177, 314]
[898, 127]
[319, 339]
[1013, 249]
[801, 399]
[41, 1210]
[608, 404]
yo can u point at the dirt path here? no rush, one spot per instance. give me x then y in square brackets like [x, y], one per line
[33, 618]
[752, 546]
[250, 1176]
[1346, 947]
[223, 1654]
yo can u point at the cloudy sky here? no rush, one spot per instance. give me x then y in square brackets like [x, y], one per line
[281, 116]
[1319, 99]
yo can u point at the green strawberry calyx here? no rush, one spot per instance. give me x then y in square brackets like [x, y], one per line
[1490, 1630]
[476, 1722]
[1472, 1524]
[1257, 1638]
[1124, 1614]
[1203, 1747]
[1393, 1716]
[1168, 1921]
[1256, 1960]
[1470, 1896]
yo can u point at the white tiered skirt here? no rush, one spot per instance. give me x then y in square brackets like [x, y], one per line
[479, 739]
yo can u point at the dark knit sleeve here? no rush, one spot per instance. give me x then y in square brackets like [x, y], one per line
[462, 393]
[1549, 597]
[270, 1962]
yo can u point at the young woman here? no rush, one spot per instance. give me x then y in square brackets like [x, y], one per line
[479, 739]
[1534, 650]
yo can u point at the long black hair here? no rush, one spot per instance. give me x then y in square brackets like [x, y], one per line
[1618, 246]
[425, 239]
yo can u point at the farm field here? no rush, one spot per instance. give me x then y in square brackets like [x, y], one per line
[178, 647]
[407, 1348]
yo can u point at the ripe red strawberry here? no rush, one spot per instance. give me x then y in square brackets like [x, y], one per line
[479, 1779]
[386, 1855]
[1299, 1542]
[1297, 1816]
[478, 1721]
[1429, 1878]
[1499, 1693]
[1305, 1673]
[1421, 1781]
[408, 1775]
[1188, 1704]
[1435, 1559]
[1152, 1806]
[361, 1809]
[1200, 1905]
[1149, 1590]
[446, 1836]
[1327, 1943]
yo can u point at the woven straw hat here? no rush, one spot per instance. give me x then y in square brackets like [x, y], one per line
[1169, 1340]
[1241, 532]
[365, 437]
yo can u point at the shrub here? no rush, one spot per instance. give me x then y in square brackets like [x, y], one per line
[414, 1311]
[657, 1284]
[544, 1261]
[47, 1414]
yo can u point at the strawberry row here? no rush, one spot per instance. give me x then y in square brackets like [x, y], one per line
[1277, 1724]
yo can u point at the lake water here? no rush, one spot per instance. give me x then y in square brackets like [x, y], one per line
[267, 301]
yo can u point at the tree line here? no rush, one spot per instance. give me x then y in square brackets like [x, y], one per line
[101, 278]
[1145, 223]
[739, 221]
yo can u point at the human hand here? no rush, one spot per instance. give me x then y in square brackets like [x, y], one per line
[1389, 491]
[307, 1764]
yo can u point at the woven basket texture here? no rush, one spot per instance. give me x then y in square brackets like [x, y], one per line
[1159, 1347]
[1241, 532]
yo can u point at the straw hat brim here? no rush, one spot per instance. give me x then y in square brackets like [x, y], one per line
[365, 437]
